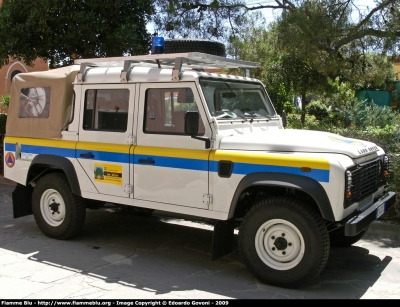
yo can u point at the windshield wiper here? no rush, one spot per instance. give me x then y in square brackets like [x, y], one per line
[240, 114]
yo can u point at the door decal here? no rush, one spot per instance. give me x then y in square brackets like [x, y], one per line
[108, 173]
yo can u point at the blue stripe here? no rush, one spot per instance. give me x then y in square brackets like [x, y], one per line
[64, 152]
[182, 163]
[245, 169]
[9, 147]
[70, 152]
[104, 155]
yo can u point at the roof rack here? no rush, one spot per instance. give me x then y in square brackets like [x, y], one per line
[190, 60]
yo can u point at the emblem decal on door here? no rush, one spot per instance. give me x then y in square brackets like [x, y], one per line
[108, 173]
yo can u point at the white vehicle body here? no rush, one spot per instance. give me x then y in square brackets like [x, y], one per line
[145, 159]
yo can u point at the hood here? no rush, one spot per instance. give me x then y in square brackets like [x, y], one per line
[290, 140]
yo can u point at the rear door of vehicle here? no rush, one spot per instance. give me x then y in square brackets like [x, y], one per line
[105, 136]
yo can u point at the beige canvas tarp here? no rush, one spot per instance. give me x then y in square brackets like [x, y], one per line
[41, 103]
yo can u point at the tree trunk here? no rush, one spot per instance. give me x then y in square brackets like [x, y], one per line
[303, 108]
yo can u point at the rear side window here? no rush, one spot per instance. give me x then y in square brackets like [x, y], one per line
[166, 108]
[106, 110]
[34, 102]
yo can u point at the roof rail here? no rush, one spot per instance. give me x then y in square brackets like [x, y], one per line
[190, 60]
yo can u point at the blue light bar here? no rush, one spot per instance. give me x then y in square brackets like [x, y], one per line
[157, 46]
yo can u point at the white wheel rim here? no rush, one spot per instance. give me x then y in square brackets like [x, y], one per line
[52, 207]
[279, 244]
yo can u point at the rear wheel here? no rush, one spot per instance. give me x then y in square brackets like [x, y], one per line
[58, 212]
[283, 242]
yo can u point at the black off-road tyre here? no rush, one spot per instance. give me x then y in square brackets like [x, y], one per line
[194, 45]
[58, 212]
[284, 242]
[338, 239]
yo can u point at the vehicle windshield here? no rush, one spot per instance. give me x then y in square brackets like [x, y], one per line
[229, 100]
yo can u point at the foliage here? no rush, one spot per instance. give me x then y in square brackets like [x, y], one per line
[284, 73]
[342, 105]
[61, 30]
[310, 122]
[282, 98]
[377, 73]
[5, 100]
[328, 30]
[318, 109]
[204, 19]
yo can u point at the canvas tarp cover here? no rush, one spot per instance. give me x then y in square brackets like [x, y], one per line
[41, 103]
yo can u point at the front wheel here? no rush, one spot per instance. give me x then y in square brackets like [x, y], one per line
[58, 212]
[284, 242]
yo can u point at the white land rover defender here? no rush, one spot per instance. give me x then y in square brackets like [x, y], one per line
[159, 132]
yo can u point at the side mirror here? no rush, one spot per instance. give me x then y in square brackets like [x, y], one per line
[192, 122]
[284, 119]
[192, 127]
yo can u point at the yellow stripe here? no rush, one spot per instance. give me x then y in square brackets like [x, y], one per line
[270, 159]
[172, 152]
[41, 142]
[103, 147]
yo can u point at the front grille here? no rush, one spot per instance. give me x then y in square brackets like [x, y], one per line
[366, 179]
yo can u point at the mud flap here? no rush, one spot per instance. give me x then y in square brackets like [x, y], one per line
[22, 200]
[223, 238]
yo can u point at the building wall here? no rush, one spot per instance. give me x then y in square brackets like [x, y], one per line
[15, 67]
[397, 67]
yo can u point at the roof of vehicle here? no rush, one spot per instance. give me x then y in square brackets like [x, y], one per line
[95, 75]
[155, 68]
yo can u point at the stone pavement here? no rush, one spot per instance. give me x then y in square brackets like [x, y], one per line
[122, 256]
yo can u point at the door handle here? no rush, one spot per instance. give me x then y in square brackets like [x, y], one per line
[147, 161]
[87, 156]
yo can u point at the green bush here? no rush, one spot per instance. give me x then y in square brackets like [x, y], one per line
[318, 109]
[5, 100]
[310, 122]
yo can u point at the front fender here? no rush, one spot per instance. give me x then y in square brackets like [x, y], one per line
[306, 184]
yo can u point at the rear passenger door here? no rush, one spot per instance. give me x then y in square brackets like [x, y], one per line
[105, 136]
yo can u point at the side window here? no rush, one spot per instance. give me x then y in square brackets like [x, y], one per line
[34, 102]
[166, 108]
[106, 110]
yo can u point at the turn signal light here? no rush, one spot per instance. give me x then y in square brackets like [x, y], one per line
[348, 194]
[386, 174]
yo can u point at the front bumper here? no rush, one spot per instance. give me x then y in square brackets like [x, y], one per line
[363, 218]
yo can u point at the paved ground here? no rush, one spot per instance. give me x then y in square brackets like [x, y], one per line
[121, 256]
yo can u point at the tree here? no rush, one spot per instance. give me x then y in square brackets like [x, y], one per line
[61, 30]
[325, 32]
[204, 19]
[279, 69]
[380, 27]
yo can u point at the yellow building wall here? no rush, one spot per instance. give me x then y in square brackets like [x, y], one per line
[14, 67]
[397, 67]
